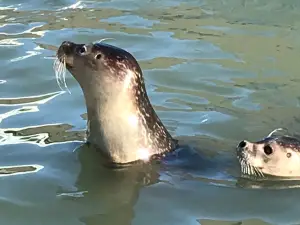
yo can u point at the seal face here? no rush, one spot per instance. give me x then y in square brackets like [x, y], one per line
[121, 120]
[275, 156]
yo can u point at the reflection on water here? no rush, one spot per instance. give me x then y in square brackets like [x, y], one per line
[18, 170]
[32, 100]
[216, 72]
[112, 192]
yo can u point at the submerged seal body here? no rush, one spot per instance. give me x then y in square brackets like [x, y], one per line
[121, 120]
[275, 156]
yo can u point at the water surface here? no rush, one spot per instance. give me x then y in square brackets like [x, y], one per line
[216, 72]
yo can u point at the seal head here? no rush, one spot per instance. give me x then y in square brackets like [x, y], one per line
[275, 156]
[121, 120]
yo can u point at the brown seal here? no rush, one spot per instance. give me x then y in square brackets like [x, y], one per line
[121, 120]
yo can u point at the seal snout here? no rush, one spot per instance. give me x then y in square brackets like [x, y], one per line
[66, 48]
[244, 146]
[65, 53]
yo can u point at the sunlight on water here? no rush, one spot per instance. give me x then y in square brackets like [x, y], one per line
[77, 5]
[18, 170]
[10, 42]
[38, 99]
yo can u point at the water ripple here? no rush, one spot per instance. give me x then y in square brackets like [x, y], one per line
[6, 171]
[38, 100]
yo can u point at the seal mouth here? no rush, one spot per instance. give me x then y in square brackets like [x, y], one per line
[246, 167]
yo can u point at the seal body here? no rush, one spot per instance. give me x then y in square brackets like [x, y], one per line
[275, 156]
[121, 120]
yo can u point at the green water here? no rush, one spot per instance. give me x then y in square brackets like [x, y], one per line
[216, 72]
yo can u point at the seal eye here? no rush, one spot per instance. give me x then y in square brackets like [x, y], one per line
[288, 155]
[98, 56]
[82, 50]
[268, 150]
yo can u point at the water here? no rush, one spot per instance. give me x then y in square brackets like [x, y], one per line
[216, 72]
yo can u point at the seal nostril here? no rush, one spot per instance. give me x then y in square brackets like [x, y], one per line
[242, 144]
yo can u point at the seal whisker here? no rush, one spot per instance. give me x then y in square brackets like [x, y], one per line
[103, 39]
[275, 130]
[256, 172]
[251, 170]
[260, 173]
[56, 67]
[51, 57]
[60, 72]
[246, 169]
[64, 76]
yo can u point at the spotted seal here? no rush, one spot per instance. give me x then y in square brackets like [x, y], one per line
[121, 120]
[274, 155]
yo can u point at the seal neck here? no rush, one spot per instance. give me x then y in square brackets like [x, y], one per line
[124, 125]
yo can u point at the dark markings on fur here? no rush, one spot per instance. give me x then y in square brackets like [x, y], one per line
[283, 141]
[116, 59]
[119, 62]
[266, 159]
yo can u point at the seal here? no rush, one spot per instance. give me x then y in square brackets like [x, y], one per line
[275, 156]
[121, 120]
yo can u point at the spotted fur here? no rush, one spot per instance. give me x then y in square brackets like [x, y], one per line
[121, 119]
[273, 155]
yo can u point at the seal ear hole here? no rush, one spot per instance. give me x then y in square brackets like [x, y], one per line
[268, 149]
[288, 155]
[98, 56]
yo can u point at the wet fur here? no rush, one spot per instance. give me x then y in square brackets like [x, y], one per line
[284, 161]
[121, 119]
